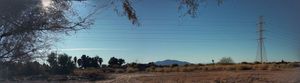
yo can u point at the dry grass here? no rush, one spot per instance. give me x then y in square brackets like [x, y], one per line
[236, 67]
[86, 72]
[253, 76]
[131, 70]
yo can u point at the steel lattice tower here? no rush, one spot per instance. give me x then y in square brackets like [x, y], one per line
[261, 51]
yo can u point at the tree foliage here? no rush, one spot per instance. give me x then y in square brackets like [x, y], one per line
[27, 28]
[60, 63]
[115, 62]
[188, 7]
[10, 70]
[86, 61]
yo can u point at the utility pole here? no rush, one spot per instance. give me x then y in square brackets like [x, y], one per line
[261, 54]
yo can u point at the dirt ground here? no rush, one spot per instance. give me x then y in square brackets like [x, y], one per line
[291, 75]
[251, 76]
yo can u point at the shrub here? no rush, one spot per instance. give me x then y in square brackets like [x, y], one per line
[256, 62]
[201, 68]
[273, 67]
[230, 68]
[174, 65]
[191, 68]
[219, 68]
[243, 67]
[119, 70]
[183, 69]
[131, 70]
[167, 69]
[91, 73]
[244, 63]
[200, 64]
[150, 69]
[159, 69]
[226, 61]
[175, 69]
[293, 64]
[261, 66]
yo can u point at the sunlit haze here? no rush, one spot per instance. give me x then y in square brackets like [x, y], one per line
[46, 3]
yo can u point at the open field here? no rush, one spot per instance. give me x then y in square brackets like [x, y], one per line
[235, 73]
[248, 76]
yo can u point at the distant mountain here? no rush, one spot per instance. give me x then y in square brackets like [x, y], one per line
[170, 62]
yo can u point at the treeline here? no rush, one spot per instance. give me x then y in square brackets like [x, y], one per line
[57, 64]
[92, 67]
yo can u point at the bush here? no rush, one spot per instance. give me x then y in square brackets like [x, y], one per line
[174, 65]
[244, 63]
[87, 71]
[150, 69]
[256, 62]
[131, 70]
[159, 69]
[230, 68]
[273, 67]
[243, 67]
[293, 64]
[90, 73]
[167, 69]
[175, 69]
[119, 70]
[261, 66]
[226, 61]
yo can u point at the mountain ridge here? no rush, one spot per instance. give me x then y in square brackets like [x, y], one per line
[170, 62]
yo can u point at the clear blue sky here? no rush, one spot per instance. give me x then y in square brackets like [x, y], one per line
[228, 30]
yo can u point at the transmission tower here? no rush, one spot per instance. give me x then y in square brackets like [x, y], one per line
[261, 51]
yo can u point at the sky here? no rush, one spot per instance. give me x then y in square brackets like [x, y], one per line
[228, 30]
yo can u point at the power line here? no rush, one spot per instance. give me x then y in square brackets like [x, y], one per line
[261, 53]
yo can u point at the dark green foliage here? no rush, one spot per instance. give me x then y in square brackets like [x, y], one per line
[10, 70]
[61, 64]
[75, 60]
[174, 65]
[65, 64]
[115, 62]
[256, 62]
[245, 63]
[53, 64]
[86, 61]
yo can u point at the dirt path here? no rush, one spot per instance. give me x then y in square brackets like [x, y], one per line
[124, 78]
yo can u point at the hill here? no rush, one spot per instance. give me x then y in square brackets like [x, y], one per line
[170, 62]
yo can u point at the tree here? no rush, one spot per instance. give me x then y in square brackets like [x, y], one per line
[28, 29]
[226, 61]
[121, 62]
[115, 62]
[126, 7]
[75, 60]
[60, 63]
[66, 65]
[53, 64]
[97, 61]
[86, 61]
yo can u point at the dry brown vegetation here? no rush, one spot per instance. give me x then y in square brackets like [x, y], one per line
[239, 73]
[217, 67]
[210, 73]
